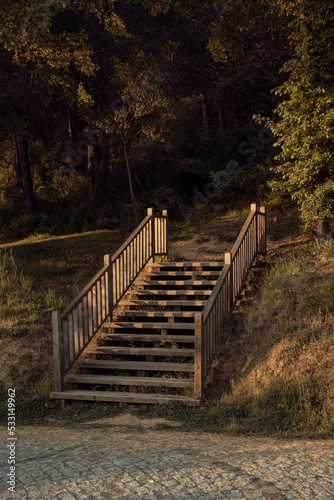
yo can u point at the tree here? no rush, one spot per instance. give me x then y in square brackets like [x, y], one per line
[144, 108]
[40, 65]
[305, 130]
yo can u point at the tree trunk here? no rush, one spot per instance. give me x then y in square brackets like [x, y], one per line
[205, 117]
[97, 166]
[23, 171]
[132, 194]
[91, 171]
[17, 165]
[322, 232]
[102, 169]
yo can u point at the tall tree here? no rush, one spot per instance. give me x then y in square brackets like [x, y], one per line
[144, 106]
[305, 131]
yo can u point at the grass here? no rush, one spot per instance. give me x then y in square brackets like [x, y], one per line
[274, 376]
[37, 275]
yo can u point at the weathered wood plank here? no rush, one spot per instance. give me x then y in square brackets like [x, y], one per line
[136, 365]
[125, 397]
[154, 326]
[130, 381]
[145, 337]
[133, 351]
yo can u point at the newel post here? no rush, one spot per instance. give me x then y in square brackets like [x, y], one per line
[109, 285]
[229, 262]
[150, 212]
[263, 225]
[199, 355]
[166, 232]
[254, 209]
[58, 351]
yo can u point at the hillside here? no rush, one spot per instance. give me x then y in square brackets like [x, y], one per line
[275, 371]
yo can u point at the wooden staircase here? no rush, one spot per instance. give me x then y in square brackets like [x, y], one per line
[147, 332]
[145, 353]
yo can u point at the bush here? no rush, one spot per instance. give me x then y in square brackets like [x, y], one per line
[23, 225]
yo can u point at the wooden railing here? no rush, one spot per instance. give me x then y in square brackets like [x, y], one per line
[75, 327]
[211, 323]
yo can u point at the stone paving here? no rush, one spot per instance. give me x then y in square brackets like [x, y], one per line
[138, 463]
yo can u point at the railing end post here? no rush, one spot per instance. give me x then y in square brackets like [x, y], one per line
[229, 262]
[58, 351]
[108, 262]
[150, 211]
[264, 229]
[253, 207]
[166, 234]
[228, 258]
[107, 259]
[199, 358]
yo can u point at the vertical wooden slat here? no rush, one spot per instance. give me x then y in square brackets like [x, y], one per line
[80, 326]
[109, 286]
[165, 233]
[263, 249]
[84, 320]
[199, 356]
[58, 351]
[228, 261]
[70, 336]
[77, 330]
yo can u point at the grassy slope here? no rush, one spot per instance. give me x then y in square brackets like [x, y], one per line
[275, 373]
[38, 275]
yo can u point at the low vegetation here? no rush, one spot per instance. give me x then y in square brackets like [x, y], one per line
[274, 374]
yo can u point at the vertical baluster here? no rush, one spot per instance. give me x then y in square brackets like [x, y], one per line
[85, 319]
[121, 270]
[100, 301]
[89, 314]
[116, 277]
[199, 378]
[58, 350]
[80, 327]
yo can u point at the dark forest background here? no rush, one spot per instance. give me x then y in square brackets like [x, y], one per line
[108, 107]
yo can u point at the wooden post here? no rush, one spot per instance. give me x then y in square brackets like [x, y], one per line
[254, 209]
[264, 230]
[109, 284]
[150, 211]
[58, 351]
[166, 235]
[198, 374]
[228, 261]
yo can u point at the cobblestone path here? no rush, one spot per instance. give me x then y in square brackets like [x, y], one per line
[137, 463]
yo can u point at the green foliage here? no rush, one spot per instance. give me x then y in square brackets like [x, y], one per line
[304, 131]
[241, 182]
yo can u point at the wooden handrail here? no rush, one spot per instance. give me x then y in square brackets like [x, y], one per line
[211, 322]
[131, 238]
[242, 234]
[213, 297]
[75, 327]
[83, 292]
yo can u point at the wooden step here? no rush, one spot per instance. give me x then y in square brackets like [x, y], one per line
[171, 292]
[156, 366]
[130, 381]
[180, 273]
[176, 282]
[132, 337]
[149, 326]
[186, 264]
[140, 351]
[157, 314]
[123, 397]
[164, 303]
